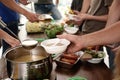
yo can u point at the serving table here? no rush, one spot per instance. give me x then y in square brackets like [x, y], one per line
[82, 68]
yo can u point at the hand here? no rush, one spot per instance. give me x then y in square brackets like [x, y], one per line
[75, 45]
[116, 49]
[24, 2]
[32, 17]
[12, 41]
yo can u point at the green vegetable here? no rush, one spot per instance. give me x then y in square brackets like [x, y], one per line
[77, 78]
[98, 54]
[53, 29]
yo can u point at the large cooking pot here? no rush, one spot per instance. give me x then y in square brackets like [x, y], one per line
[25, 69]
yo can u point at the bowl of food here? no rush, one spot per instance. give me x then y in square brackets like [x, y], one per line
[97, 56]
[71, 29]
[55, 46]
[45, 17]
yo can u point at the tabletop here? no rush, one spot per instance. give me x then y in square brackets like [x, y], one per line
[82, 68]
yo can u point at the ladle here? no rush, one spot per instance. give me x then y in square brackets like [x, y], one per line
[28, 46]
[5, 26]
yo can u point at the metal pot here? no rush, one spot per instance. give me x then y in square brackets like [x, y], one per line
[29, 70]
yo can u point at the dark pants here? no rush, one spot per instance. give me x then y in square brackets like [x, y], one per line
[48, 8]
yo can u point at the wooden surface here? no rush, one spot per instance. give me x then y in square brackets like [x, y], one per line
[84, 69]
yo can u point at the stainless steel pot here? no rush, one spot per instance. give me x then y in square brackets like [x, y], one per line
[33, 70]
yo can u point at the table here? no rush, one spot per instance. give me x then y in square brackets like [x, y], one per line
[82, 68]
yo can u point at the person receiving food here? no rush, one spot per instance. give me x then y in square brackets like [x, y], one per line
[101, 37]
[95, 18]
[48, 7]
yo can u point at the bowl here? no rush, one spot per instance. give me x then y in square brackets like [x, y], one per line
[55, 46]
[95, 60]
[101, 55]
[71, 16]
[71, 29]
[45, 17]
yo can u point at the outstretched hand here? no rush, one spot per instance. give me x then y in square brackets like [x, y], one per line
[75, 42]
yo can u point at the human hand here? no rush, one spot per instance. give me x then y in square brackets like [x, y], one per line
[24, 2]
[75, 45]
[81, 16]
[32, 17]
[12, 41]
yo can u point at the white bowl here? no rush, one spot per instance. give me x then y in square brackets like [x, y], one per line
[97, 60]
[71, 16]
[55, 46]
[71, 30]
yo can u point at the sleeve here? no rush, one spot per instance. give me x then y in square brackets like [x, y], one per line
[108, 2]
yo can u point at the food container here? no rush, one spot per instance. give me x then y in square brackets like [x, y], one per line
[55, 46]
[66, 64]
[97, 56]
[71, 29]
[29, 66]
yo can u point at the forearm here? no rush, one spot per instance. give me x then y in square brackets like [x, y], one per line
[102, 37]
[98, 18]
[14, 6]
[3, 34]
[114, 13]
[57, 2]
[85, 6]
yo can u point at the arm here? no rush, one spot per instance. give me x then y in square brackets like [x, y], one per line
[92, 17]
[114, 13]
[57, 2]
[14, 6]
[101, 37]
[85, 6]
[9, 39]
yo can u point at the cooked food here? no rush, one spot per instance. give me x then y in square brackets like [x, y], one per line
[45, 17]
[86, 56]
[71, 61]
[95, 54]
[53, 29]
[29, 58]
[70, 11]
[34, 27]
[69, 58]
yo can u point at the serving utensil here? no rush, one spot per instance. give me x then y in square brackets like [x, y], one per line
[4, 25]
[29, 45]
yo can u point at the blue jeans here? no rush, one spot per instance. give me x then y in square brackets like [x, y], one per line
[48, 8]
